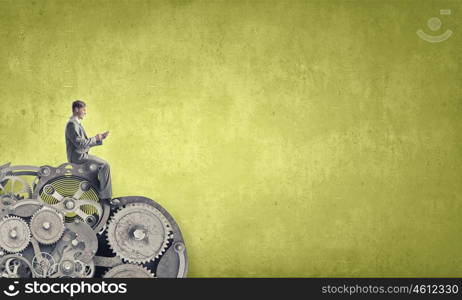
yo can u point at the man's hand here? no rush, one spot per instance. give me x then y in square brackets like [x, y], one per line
[101, 136]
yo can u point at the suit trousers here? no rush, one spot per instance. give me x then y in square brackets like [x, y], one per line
[104, 176]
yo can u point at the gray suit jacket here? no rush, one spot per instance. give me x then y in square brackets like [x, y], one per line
[77, 142]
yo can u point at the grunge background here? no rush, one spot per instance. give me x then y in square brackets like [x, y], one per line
[287, 138]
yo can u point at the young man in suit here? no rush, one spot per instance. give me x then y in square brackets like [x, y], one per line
[78, 145]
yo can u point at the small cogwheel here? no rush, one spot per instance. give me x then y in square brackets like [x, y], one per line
[14, 234]
[47, 226]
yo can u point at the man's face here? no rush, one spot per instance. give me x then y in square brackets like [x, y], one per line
[81, 112]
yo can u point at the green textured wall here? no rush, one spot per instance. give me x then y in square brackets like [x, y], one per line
[287, 138]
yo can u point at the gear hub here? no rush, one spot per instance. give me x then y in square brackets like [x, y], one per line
[14, 234]
[138, 233]
[47, 226]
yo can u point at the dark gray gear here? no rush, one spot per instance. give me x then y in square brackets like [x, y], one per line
[14, 234]
[138, 233]
[128, 271]
[74, 269]
[47, 226]
[15, 266]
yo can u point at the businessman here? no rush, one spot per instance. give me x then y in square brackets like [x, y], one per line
[78, 146]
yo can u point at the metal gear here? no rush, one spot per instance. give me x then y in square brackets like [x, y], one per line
[14, 234]
[69, 196]
[128, 271]
[50, 226]
[11, 190]
[68, 268]
[70, 265]
[47, 226]
[15, 266]
[43, 265]
[6, 204]
[138, 233]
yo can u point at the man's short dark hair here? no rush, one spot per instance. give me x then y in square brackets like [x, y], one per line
[78, 104]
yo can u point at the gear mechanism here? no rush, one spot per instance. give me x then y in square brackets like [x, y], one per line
[15, 188]
[47, 226]
[56, 225]
[74, 269]
[15, 266]
[138, 233]
[73, 198]
[14, 234]
[129, 271]
[43, 265]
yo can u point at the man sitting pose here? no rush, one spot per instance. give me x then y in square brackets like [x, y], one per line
[78, 145]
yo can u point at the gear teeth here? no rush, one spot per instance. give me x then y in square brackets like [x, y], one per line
[26, 188]
[58, 235]
[27, 237]
[147, 224]
[112, 240]
[127, 267]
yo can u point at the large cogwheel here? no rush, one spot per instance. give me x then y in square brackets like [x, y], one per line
[128, 271]
[138, 233]
[47, 226]
[14, 234]
[15, 188]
